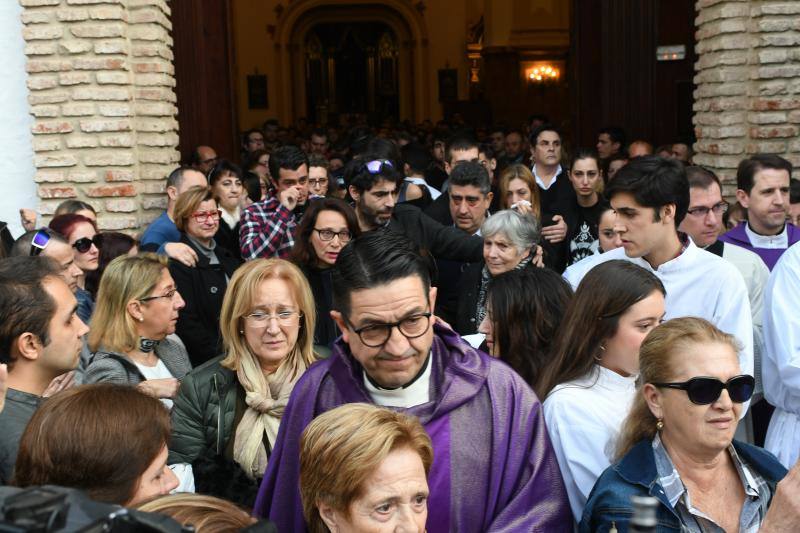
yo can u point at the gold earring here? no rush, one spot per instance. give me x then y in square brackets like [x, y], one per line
[659, 425]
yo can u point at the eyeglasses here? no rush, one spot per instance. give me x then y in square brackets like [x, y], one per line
[320, 182]
[703, 211]
[284, 318]
[84, 244]
[376, 335]
[328, 235]
[375, 167]
[203, 216]
[39, 242]
[169, 294]
[705, 390]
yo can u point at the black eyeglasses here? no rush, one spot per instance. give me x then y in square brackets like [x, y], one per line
[170, 294]
[84, 244]
[705, 390]
[39, 242]
[703, 211]
[376, 335]
[329, 234]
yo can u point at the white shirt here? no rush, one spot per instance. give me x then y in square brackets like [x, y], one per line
[435, 193]
[415, 394]
[775, 242]
[698, 283]
[781, 358]
[583, 418]
[160, 371]
[539, 179]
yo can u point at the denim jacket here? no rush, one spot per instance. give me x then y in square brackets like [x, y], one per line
[636, 474]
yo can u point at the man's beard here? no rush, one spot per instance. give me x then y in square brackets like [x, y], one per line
[371, 216]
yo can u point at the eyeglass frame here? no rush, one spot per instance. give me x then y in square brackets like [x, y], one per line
[718, 209]
[206, 215]
[37, 248]
[684, 386]
[268, 317]
[389, 326]
[334, 234]
[170, 294]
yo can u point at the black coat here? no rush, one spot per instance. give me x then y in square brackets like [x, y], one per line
[465, 323]
[228, 238]
[325, 332]
[202, 288]
[446, 242]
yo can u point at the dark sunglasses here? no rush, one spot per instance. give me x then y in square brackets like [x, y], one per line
[705, 391]
[84, 244]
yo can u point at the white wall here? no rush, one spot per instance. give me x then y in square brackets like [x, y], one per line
[17, 188]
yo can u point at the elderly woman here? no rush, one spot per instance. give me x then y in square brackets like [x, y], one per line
[590, 382]
[509, 243]
[677, 443]
[202, 286]
[106, 440]
[137, 307]
[228, 410]
[523, 310]
[225, 181]
[327, 226]
[81, 233]
[364, 469]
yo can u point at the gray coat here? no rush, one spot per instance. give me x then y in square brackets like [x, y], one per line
[112, 367]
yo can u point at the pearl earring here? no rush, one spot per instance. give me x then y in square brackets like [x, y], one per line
[659, 425]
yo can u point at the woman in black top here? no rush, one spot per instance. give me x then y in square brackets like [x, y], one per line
[327, 226]
[225, 180]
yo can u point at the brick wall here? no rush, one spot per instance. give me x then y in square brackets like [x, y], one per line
[748, 83]
[101, 82]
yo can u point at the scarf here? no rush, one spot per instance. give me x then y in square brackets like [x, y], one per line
[266, 399]
[486, 277]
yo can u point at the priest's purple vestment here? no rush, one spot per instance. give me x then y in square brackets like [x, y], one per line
[494, 468]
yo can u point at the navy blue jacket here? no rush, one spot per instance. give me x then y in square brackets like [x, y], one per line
[636, 474]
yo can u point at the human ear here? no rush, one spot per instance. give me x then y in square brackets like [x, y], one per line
[28, 346]
[354, 194]
[447, 168]
[432, 292]
[743, 198]
[340, 322]
[134, 308]
[328, 516]
[668, 213]
[654, 400]
[172, 192]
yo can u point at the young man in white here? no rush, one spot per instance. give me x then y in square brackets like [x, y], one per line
[650, 196]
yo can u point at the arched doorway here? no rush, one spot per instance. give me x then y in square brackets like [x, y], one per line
[352, 69]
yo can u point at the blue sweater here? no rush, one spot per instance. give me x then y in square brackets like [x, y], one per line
[160, 231]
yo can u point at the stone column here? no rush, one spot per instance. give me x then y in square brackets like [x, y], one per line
[748, 83]
[101, 82]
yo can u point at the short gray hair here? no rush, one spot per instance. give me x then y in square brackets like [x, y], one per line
[523, 231]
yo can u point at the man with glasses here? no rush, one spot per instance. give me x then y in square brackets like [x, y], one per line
[204, 158]
[494, 468]
[762, 188]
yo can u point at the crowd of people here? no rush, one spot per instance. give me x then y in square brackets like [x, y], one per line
[417, 328]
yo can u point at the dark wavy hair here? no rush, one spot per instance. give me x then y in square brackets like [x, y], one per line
[114, 244]
[604, 294]
[527, 306]
[303, 252]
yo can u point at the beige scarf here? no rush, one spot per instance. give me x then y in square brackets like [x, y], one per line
[266, 400]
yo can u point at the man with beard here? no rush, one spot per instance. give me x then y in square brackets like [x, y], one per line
[268, 226]
[374, 188]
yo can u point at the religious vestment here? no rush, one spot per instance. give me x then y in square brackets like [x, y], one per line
[494, 468]
[768, 247]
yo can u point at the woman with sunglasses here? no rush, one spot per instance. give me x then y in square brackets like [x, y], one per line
[81, 233]
[197, 217]
[677, 443]
[228, 411]
[137, 308]
[589, 384]
[328, 225]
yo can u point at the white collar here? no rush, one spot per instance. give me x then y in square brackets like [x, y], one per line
[417, 393]
[779, 241]
[539, 180]
[230, 218]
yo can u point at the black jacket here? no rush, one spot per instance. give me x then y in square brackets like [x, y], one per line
[202, 288]
[325, 332]
[446, 242]
[228, 238]
[465, 323]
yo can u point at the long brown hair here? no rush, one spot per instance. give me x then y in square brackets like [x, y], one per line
[97, 438]
[523, 173]
[303, 252]
[604, 294]
[655, 366]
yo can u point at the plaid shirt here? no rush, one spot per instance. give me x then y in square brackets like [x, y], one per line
[267, 230]
[756, 490]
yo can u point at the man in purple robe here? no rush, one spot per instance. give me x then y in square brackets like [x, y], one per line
[762, 187]
[494, 468]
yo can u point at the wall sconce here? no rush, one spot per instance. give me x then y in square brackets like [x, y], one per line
[543, 73]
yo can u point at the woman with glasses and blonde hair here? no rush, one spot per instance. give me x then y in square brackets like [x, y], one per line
[137, 308]
[197, 217]
[327, 226]
[228, 410]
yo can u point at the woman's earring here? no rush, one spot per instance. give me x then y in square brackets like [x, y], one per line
[141, 319]
[600, 358]
[659, 425]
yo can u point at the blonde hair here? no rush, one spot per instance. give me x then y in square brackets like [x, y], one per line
[656, 357]
[523, 173]
[188, 202]
[126, 278]
[341, 448]
[206, 513]
[238, 302]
